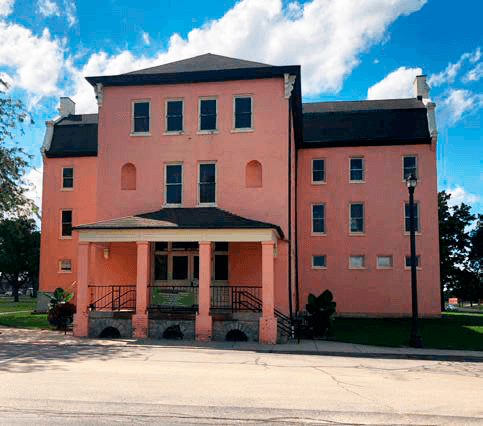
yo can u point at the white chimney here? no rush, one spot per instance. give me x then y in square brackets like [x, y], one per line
[67, 107]
[421, 88]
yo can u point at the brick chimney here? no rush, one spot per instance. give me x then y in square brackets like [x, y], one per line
[67, 107]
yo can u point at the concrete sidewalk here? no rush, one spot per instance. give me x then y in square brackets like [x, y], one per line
[305, 347]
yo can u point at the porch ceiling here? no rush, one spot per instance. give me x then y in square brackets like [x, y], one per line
[180, 224]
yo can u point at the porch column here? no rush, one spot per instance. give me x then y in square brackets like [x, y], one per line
[204, 322]
[140, 319]
[81, 317]
[268, 322]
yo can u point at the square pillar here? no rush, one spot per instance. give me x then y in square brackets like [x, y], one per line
[268, 322]
[81, 317]
[204, 322]
[140, 319]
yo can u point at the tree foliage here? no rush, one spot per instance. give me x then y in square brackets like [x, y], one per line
[459, 277]
[13, 159]
[19, 253]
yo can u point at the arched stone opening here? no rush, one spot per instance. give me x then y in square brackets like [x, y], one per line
[254, 174]
[110, 333]
[236, 335]
[173, 333]
[128, 177]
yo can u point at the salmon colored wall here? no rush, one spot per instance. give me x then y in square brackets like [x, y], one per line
[82, 201]
[369, 291]
[120, 266]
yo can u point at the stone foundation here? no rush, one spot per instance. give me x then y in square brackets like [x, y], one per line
[158, 326]
[245, 322]
[98, 321]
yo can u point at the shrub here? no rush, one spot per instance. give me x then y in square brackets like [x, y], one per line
[321, 311]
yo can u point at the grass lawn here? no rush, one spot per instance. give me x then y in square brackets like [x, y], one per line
[451, 331]
[18, 318]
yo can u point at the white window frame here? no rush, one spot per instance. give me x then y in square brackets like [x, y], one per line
[140, 101]
[211, 204]
[65, 271]
[378, 266]
[173, 132]
[63, 188]
[363, 169]
[207, 98]
[312, 220]
[166, 165]
[418, 228]
[351, 232]
[418, 262]
[242, 129]
[416, 165]
[66, 237]
[317, 182]
[319, 267]
[357, 267]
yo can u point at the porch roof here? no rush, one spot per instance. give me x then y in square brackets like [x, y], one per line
[181, 224]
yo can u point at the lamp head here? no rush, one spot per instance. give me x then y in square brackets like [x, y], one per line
[411, 181]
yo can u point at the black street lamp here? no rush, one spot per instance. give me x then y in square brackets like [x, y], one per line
[415, 340]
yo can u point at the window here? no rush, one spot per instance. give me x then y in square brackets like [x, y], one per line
[318, 171]
[207, 184]
[220, 267]
[409, 167]
[356, 262]
[356, 170]
[174, 116]
[254, 174]
[174, 184]
[207, 114]
[357, 217]
[128, 177]
[407, 225]
[318, 262]
[180, 267]
[243, 113]
[407, 262]
[68, 178]
[66, 223]
[140, 114]
[384, 262]
[318, 225]
[65, 265]
[161, 267]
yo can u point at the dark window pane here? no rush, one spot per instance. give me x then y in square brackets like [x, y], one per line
[175, 124]
[207, 173]
[161, 267]
[319, 261]
[180, 267]
[408, 261]
[175, 108]
[208, 122]
[409, 167]
[173, 194]
[66, 223]
[68, 177]
[161, 246]
[221, 246]
[141, 109]
[173, 173]
[196, 267]
[318, 171]
[207, 193]
[318, 218]
[407, 218]
[357, 218]
[174, 116]
[141, 117]
[221, 267]
[208, 107]
[185, 245]
[356, 172]
[243, 113]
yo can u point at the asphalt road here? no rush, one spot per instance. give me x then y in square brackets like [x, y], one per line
[130, 385]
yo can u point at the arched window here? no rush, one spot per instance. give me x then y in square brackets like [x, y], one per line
[254, 174]
[128, 177]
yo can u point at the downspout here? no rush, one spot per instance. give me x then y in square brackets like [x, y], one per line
[290, 208]
[297, 295]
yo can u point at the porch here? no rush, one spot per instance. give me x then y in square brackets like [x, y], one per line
[184, 278]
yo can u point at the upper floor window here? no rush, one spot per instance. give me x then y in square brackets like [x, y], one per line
[357, 217]
[174, 184]
[128, 177]
[207, 183]
[356, 170]
[66, 223]
[318, 262]
[407, 224]
[407, 262]
[174, 116]
[384, 262]
[140, 117]
[357, 262]
[243, 112]
[207, 114]
[68, 178]
[318, 171]
[409, 167]
[65, 265]
[318, 220]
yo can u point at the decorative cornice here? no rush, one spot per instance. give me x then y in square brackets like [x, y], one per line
[289, 80]
[99, 93]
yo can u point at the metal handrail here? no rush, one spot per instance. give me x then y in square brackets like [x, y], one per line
[115, 298]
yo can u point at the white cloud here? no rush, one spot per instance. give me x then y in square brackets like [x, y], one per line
[449, 74]
[48, 8]
[398, 84]
[474, 74]
[146, 39]
[70, 12]
[460, 102]
[326, 37]
[35, 61]
[34, 181]
[459, 195]
[6, 7]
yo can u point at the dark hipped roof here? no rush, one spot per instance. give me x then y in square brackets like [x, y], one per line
[207, 62]
[365, 123]
[74, 136]
[183, 218]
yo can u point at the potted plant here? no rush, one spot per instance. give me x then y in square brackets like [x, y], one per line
[61, 311]
[321, 312]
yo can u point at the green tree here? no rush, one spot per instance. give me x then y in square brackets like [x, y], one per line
[455, 245]
[19, 253]
[13, 159]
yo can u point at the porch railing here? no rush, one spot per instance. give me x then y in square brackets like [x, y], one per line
[236, 299]
[112, 298]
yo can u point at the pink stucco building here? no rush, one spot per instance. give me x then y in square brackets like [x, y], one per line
[204, 199]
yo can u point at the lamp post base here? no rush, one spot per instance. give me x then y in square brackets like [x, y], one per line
[416, 341]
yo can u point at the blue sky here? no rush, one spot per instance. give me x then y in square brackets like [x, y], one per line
[348, 50]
